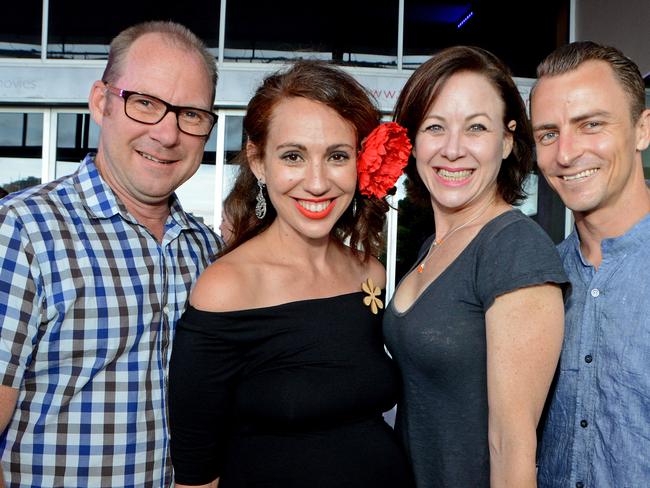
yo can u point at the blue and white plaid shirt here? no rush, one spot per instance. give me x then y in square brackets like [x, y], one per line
[89, 302]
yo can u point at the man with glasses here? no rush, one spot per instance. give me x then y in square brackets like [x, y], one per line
[95, 271]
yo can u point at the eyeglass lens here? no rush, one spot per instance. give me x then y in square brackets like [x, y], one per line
[150, 110]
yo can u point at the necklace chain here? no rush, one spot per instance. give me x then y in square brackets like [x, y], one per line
[437, 243]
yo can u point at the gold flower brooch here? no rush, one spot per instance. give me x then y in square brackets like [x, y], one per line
[372, 300]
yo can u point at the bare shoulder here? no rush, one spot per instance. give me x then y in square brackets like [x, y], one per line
[372, 268]
[222, 286]
[377, 272]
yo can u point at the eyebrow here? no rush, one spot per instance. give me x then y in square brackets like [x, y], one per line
[302, 147]
[469, 117]
[574, 120]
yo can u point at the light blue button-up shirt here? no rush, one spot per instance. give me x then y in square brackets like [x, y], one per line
[598, 429]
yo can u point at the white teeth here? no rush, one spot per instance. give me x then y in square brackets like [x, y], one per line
[582, 174]
[314, 206]
[454, 175]
[151, 158]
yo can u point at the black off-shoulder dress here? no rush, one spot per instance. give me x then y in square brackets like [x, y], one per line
[285, 396]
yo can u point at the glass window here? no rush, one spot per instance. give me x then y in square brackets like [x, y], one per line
[361, 33]
[233, 145]
[76, 135]
[75, 32]
[20, 29]
[521, 40]
[414, 225]
[21, 140]
[197, 194]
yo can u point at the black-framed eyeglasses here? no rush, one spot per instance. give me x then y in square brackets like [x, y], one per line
[150, 110]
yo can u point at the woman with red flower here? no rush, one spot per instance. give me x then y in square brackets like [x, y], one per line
[476, 325]
[278, 375]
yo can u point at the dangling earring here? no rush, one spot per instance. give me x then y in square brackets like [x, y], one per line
[260, 206]
[354, 207]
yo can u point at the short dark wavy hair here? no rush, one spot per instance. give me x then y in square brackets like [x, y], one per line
[424, 85]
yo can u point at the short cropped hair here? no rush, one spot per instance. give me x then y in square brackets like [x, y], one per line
[177, 34]
[570, 56]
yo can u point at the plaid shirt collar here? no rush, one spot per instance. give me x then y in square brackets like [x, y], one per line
[101, 202]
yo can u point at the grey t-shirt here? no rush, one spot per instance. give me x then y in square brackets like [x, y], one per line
[440, 347]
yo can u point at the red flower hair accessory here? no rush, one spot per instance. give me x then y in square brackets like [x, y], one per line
[383, 156]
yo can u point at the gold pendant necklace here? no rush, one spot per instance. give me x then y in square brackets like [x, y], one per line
[437, 243]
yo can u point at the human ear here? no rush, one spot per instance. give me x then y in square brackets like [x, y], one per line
[97, 102]
[508, 138]
[255, 161]
[643, 131]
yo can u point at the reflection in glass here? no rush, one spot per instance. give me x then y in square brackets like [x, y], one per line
[355, 33]
[76, 33]
[20, 30]
[21, 139]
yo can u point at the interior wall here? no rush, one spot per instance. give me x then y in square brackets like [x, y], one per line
[624, 24]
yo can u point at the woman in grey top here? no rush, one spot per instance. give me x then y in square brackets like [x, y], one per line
[476, 326]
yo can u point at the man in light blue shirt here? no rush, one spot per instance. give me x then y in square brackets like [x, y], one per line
[591, 125]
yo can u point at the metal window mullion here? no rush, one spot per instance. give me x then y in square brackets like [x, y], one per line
[400, 35]
[391, 246]
[222, 31]
[48, 168]
[45, 18]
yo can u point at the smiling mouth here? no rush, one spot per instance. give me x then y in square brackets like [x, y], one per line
[582, 174]
[445, 174]
[155, 160]
[315, 210]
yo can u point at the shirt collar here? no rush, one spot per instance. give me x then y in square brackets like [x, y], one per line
[102, 203]
[615, 247]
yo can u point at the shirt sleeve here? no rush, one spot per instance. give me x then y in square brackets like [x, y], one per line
[19, 299]
[517, 256]
[203, 371]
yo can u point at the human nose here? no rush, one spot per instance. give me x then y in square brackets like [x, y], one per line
[166, 132]
[568, 149]
[453, 146]
[316, 181]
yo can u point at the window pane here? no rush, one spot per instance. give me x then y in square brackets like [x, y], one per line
[358, 33]
[20, 150]
[74, 30]
[234, 143]
[521, 40]
[197, 194]
[77, 135]
[414, 225]
[20, 29]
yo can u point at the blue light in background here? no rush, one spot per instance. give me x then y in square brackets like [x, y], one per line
[465, 19]
[440, 13]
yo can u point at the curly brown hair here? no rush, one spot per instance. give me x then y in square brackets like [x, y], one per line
[328, 84]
